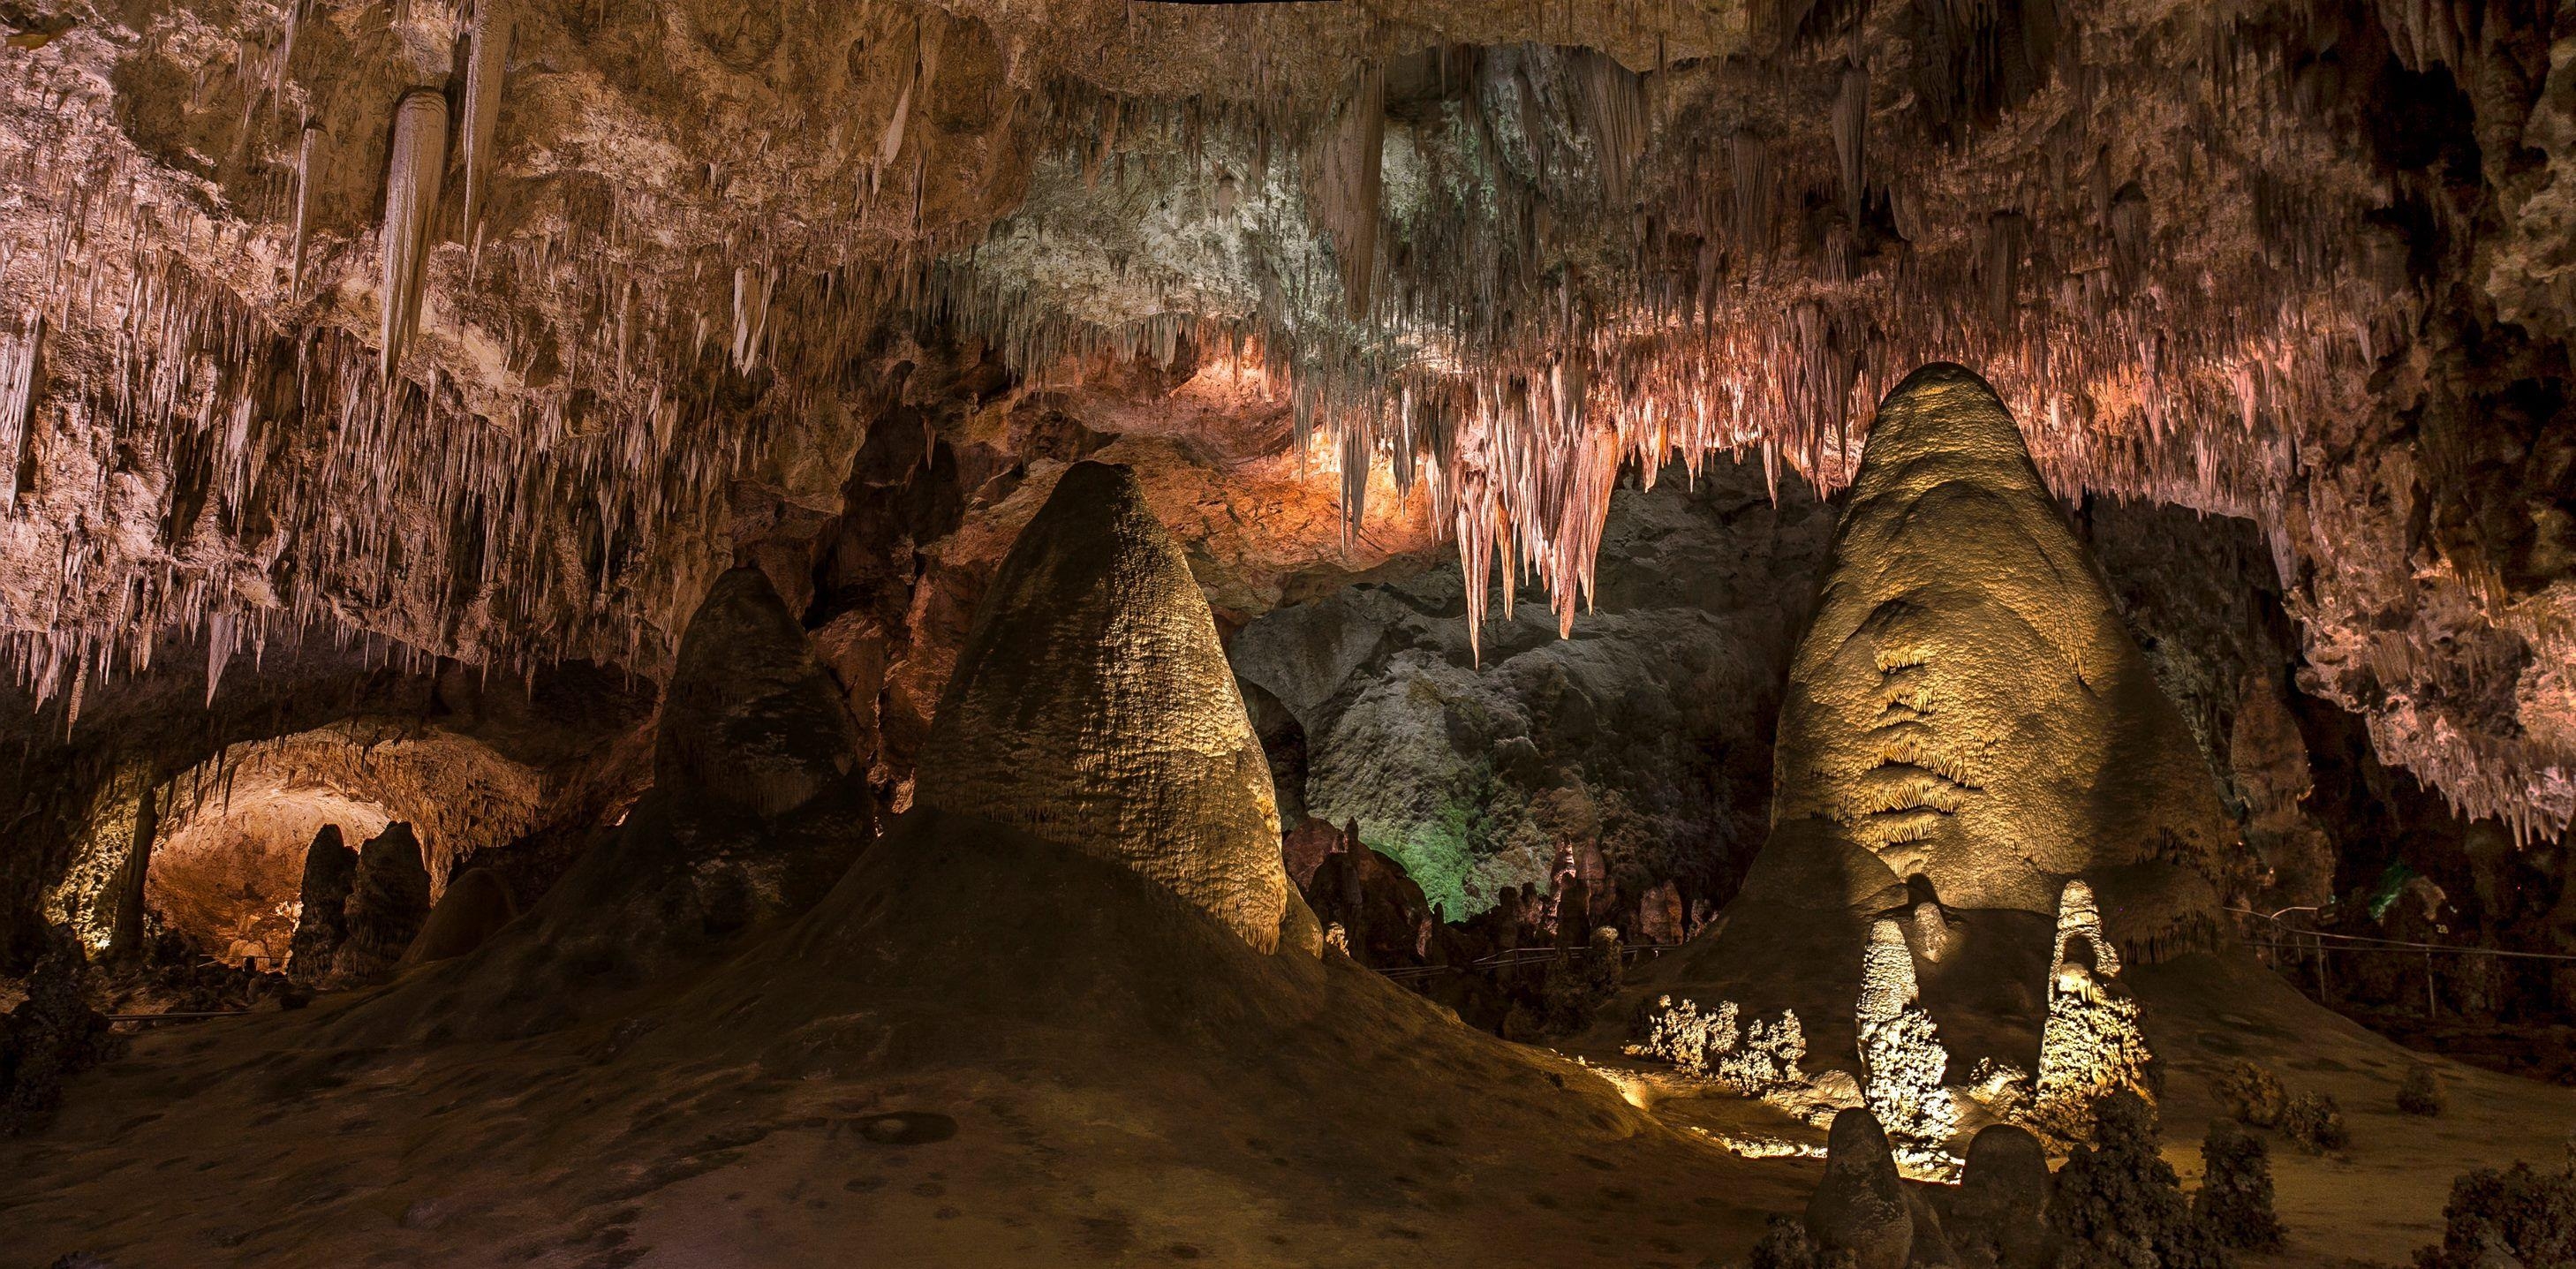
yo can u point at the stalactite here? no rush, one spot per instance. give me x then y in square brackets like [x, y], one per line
[308, 160]
[20, 387]
[2127, 222]
[418, 163]
[1350, 182]
[1851, 136]
[486, 66]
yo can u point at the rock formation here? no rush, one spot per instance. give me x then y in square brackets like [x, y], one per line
[330, 872]
[388, 902]
[1860, 1207]
[750, 718]
[1966, 706]
[1968, 727]
[1901, 1058]
[757, 808]
[475, 904]
[1092, 705]
[2091, 1044]
[50, 1036]
[1380, 909]
[1999, 1214]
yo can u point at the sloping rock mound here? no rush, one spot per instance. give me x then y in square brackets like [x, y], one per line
[475, 904]
[1092, 705]
[758, 807]
[980, 1049]
[1968, 726]
[386, 907]
[330, 871]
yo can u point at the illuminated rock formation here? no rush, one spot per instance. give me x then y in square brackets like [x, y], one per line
[1968, 727]
[387, 905]
[330, 872]
[1901, 1058]
[2091, 1045]
[1093, 706]
[1966, 705]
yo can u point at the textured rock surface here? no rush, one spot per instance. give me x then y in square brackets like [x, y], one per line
[1092, 705]
[1860, 1207]
[1647, 735]
[387, 904]
[474, 905]
[330, 873]
[1966, 704]
[2000, 1210]
[1968, 724]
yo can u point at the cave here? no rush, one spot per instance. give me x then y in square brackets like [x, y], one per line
[1892, 633]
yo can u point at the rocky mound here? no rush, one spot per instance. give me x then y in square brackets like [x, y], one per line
[1092, 705]
[757, 808]
[1968, 726]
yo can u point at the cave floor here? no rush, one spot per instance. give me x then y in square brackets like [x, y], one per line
[271, 1139]
[2372, 1203]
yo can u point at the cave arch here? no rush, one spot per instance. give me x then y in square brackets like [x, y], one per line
[226, 872]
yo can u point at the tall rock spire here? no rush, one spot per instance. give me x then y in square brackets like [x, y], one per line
[1092, 705]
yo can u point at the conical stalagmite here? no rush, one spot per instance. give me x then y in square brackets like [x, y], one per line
[1093, 706]
[330, 870]
[1967, 704]
[386, 907]
[1968, 727]
[751, 718]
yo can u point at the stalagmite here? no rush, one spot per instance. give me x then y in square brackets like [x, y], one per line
[487, 65]
[750, 718]
[418, 165]
[387, 904]
[1859, 1208]
[2092, 1044]
[1901, 1058]
[330, 872]
[1970, 726]
[1092, 706]
[474, 905]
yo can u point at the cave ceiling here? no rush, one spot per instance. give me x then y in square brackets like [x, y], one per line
[2307, 263]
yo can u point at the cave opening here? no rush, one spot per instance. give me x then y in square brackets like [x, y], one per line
[227, 876]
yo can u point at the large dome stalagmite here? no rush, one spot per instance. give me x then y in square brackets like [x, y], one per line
[1967, 704]
[1968, 725]
[1092, 705]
